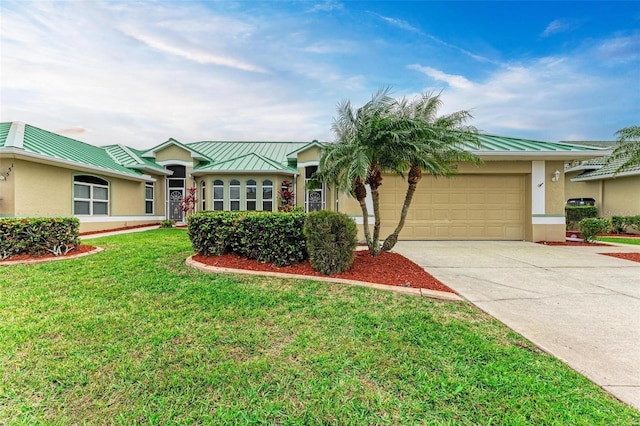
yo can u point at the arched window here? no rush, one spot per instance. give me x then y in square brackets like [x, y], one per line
[251, 191]
[218, 194]
[234, 195]
[90, 196]
[267, 195]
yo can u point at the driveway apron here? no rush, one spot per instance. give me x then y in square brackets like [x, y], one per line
[573, 302]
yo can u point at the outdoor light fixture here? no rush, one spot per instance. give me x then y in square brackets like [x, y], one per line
[555, 176]
[4, 176]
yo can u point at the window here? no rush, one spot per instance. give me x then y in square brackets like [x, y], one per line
[234, 195]
[204, 194]
[252, 191]
[218, 195]
[314, 199]
[90, 196]
[267, 195]
[148, 198]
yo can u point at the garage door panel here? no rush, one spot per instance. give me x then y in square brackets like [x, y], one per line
[464, 207]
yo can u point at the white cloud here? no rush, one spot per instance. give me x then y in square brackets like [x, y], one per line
[558, 26]
[399, 23]
[327, 6]
[550, 98]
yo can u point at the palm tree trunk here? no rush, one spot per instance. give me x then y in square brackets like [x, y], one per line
[375, 195]
[374, 179]
[415, 175]
[361, 195]
[392, 239]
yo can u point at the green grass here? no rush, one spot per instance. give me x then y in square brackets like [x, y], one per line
[132, 336]
[622, 240]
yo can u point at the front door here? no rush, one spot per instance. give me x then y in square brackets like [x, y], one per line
[175, 199]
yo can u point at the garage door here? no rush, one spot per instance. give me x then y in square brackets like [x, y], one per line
[473, 207]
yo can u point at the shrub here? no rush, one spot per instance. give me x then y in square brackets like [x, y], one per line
[271, 237]
[265, 236]
[590, 227]
[625, 223]
[167, 223]
[210, 232]
[574, 214]
[331, 240]
[36, 236]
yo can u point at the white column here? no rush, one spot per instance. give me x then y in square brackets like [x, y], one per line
[537, 188]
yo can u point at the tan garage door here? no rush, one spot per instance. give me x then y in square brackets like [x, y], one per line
[473, 207]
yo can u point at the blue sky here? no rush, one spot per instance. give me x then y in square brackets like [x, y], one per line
[140, 72]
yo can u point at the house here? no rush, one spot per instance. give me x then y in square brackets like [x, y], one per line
[615, 194]
[516, 194]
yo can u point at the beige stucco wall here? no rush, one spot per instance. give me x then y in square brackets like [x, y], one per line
[7, 188]
[42, 190]
[312, 153]
[618, 196]
[554, 191]
[621, 196]
[173, 152]
[45, 189]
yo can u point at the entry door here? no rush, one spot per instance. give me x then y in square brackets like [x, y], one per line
[175, 199]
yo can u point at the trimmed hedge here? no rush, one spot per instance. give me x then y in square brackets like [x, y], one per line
[37, 236]
[331, 241]
[574, 214]
[625, 223]
[590, 227]
[265, 236]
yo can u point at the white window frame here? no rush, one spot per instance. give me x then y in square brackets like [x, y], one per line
[149, 185]
[233, 184]
[267, 200]
[215, 200]
[254, 200]
[91, 200]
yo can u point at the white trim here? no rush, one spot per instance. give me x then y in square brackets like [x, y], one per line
[97, 219]
[545, 154]
[309, 163]
[538, 187]
[175, 163]
[359, 220]
[15, 137]
[76, 165]
[607, 176]
[548, 220]
[206, 172]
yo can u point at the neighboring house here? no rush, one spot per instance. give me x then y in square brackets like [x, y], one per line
[516, 194]
[616, 194]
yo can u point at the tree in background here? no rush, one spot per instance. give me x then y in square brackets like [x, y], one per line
[627, 150]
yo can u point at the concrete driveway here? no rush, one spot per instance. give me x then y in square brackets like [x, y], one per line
[572, 302]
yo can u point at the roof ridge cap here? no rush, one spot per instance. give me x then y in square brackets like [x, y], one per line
[15, 137]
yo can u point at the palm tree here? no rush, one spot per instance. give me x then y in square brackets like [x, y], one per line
[356, 160]
[627, 151]
[431, 144]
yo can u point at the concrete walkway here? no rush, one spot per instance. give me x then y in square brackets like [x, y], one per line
[572, 302]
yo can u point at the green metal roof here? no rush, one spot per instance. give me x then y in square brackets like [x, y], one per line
[4, 131]
[494, 144]
[132, 158]
[250, 162]
[45, 144]
[219, 151]
[607, 170]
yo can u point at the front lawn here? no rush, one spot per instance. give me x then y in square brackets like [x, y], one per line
[131, 335]
[621, 240]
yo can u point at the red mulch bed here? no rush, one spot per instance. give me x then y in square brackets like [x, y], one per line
[388, 268]
[634, 257]
[22, 257]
